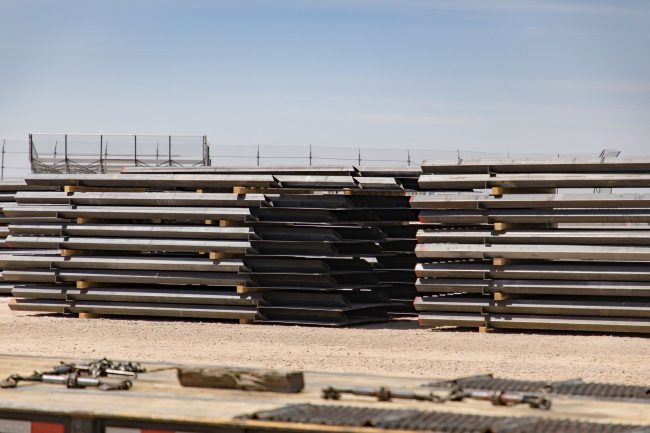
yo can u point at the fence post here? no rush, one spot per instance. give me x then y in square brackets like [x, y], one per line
[258, 155]
[169, 150]
[101, 152]
[31, 152]
[310, 156]
[135, 150]
[2, 170]
[408, 157]
[359, 149]
[206, 146]
[65, 153]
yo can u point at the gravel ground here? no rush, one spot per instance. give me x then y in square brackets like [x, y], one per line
[399, 348]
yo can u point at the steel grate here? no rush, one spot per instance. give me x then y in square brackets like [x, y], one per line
[570, 388]
[439, 422]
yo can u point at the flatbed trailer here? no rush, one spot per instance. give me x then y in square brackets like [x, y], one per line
[158, 404]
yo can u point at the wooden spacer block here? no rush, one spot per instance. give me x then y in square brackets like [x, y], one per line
[242, 290]
[80, 188]
[69, 253]
[215, 255]
[246, 321]
[501, 227]
[80, 284]
[485, 330]
[89, 316]
[199, 191]
[499, 296]
[239, 190]
[83, 220]
[497, 191]
[228, 223]
[500, 261]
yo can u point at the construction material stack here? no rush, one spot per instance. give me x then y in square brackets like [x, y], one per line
[332, 248]
[8, 191]
[538, 245]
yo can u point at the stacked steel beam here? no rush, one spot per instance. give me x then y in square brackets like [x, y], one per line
[8, 191]
[330, 248]
[531, 252]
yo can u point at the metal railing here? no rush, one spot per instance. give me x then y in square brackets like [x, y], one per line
[73, 153]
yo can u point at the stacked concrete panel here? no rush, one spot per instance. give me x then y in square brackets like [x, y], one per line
[327, 248]
[527, 250]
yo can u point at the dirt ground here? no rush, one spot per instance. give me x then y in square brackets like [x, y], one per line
[399, 348]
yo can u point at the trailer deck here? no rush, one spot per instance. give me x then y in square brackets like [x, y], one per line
[158, 402]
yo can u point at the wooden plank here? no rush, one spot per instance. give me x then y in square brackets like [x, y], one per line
[499, 191]
[216, 255]
[69, 253]
[242, 379]
[81, 284]
[241, 289]
[230, 223]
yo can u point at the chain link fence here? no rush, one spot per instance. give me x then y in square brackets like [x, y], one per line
[15, 156]
[266, 155]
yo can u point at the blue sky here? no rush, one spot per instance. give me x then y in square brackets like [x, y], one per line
[519, 76]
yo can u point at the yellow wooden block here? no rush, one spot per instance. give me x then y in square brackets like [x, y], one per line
[241, 190]
[80, 284]
[69, 253]
[500, 261]
[229, 223]
[497, 191]
[243, 290]
[73, 188]
[216, 255]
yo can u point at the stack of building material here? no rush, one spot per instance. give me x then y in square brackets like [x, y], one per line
[8, 191]
[315, 249]
[531, 253]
